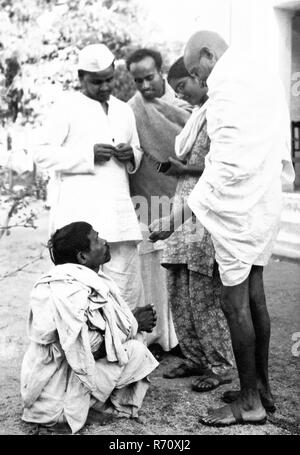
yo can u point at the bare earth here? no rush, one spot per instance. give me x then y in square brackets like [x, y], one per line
[170, 406]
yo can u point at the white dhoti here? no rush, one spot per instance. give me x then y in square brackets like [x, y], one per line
[142, 281]
[242, 238]
[232, 270]
[238, 197]
[155, 286]
[154, 278]
[125, 269]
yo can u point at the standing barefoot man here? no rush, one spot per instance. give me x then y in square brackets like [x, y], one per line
[238, 200]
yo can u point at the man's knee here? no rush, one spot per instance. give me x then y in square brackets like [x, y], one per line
[235, 302]
[135, 349]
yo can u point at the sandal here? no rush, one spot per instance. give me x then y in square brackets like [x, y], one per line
[183, 371]
[209, 382]
[232, 395]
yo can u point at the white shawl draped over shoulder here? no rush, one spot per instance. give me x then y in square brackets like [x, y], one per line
[238, 197]
[61, 303]
[116, 319]
[185, 140]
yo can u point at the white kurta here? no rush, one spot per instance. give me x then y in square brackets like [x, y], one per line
[238, 197]
[81, 191]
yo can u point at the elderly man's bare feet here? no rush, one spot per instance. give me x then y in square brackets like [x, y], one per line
[234, 414]
[267, 399]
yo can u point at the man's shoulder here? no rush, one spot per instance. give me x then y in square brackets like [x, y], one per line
[60, 277]
[135, 100]
[114, 100]
[122, 106]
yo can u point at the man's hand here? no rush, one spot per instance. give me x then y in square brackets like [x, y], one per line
[146, 318]
[161, 229]
[177, 168]
[124, 152]
[103, 152]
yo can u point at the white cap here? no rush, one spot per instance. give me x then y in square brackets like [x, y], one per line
[95, 57]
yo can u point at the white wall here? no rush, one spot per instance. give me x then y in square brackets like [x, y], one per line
[283, 43]
[295, 89]
[256, 25]
[179, 19]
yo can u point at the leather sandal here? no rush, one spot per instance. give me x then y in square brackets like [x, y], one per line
[209, 382]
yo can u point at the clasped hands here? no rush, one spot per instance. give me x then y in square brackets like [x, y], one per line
[146, 318]
[122, 152]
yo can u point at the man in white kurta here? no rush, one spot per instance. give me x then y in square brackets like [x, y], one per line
[238, 200]
[90, 143]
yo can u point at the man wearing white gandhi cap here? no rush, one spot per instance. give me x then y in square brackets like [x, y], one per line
[91, 144]
[95, 57]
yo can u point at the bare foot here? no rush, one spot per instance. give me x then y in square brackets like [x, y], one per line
[59, 428]
[99, 418]
[267, 399]
[141, 419]
[234, 414]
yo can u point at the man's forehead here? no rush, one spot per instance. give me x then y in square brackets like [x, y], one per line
[146, 65]
[190, 58]
[101, 75]
[93, 233]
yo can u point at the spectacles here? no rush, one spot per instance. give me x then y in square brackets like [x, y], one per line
[202, 83]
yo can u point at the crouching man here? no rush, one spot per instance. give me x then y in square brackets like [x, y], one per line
[83, 351]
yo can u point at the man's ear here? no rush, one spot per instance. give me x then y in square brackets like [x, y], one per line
[81, 258]
[207, 53]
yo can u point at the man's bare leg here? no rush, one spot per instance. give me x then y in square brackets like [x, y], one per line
[261, 322]
[262, 327]
[236, 307]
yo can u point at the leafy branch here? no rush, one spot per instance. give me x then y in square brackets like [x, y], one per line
[22, 267]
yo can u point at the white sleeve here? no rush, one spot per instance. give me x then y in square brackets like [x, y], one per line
[135, 144]
[51, 150]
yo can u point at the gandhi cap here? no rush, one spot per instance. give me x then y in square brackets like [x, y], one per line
[95, 57]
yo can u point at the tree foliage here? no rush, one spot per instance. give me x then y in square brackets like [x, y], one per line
[39, 45]
[42, 39]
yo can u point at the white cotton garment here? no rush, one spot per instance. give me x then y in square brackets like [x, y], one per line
[81, 190]
[59, 376]
[239, 195]
[186, 139]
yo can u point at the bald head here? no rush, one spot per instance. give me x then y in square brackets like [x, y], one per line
[202, 52]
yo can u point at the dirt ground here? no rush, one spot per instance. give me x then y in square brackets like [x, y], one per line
[170, 406]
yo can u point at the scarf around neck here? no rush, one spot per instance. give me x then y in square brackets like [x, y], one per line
[185, 140]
